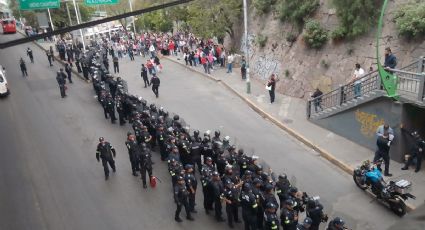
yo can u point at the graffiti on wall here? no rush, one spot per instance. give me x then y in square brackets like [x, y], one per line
[264, 66]
[251, 44]
[369, 123]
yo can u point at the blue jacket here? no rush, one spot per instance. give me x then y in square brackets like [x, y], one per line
[390, 61]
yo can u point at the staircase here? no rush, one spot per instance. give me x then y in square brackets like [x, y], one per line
[410, 88]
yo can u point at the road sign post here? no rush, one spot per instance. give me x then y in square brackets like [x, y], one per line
[38, 4]
[101, 2]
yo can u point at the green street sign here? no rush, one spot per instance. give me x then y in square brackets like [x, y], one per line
[101, 2]
[38, 4]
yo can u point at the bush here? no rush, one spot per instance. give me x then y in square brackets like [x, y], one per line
[410, 20]
[338, 34]
[315, 35]
[262, 40]
[263, 6]
[291, 37]
[297, 11]
[356, 16]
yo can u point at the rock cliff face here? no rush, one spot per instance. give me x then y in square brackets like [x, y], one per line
[301, 70]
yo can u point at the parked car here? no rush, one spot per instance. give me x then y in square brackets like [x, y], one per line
[4, 88]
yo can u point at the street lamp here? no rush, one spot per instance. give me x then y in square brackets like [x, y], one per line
[245, 13]
[78, 21]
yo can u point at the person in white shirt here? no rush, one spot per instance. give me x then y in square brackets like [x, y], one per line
[357, 80]
[229, 63]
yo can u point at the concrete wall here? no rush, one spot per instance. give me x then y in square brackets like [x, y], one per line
[360, 123]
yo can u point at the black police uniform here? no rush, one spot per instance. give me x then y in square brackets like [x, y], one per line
[208, 197]
[174, 170]
[155, 82]
[282, 187]
[315, 212]
[181, 196]
[249, 210]
[68, 71]
[417, 152]
[232, 202]
[384, 152]
[134, 153]
[110, 106]
[217, 189]
[191, 184]
[288, 220]
[29, 54]
[61, 81]
[195, 152]
[120, 110]
[144, 75]
[145, 164]
[104, 101]
[271, 220]
[106, 152]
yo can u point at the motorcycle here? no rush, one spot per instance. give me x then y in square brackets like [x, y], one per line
[368, 176]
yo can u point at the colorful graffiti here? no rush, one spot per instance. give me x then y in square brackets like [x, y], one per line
[369, 123]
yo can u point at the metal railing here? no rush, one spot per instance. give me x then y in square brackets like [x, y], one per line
[410, 85]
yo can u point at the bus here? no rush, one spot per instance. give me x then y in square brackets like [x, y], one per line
[9, 25]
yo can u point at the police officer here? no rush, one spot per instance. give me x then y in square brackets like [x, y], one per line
[416, 152]
[206, 175]
[231, 197]
[68, 71]
[383, 151]
[155, 82]
[269, 195]
[282, 187]
[145, 136]
[249, 207]
[85, 68]
[120, 109]
[174, 168]
[191, 184]
[145, 163]
[134, 152]
[336, 224]
[107, 153]
[288, 216]
[181, 196]
[242, 161]
[271, 220]
[217, 189]
[23, 67]
[160, 137]
[306, 225]
[49, 57]
[110, 106]
[230, 176]
[60, 78]
[144, 75]
[116, 64]
[314, 210]
[221, 162]
[259, 196]
[29, 54]
[195, 152]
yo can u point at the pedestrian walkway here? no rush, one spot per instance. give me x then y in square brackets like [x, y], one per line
[289, 113]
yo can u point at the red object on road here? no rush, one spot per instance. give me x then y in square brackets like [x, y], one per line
[153, 181]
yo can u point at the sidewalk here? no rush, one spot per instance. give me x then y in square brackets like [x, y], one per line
[289, 113]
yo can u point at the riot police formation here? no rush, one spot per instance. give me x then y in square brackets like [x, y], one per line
[227, 175]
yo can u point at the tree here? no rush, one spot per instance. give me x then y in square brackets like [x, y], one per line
[297, 11]
[410, 20]
[60, 15]
[156, 21]
[29, 16]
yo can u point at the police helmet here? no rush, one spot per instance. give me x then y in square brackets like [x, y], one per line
[207, 133]
[161, 109]
[307, 221]
[270, 205]
[144, 102]
[101, 139]
[176, 117]
[290, 202]
[247, 186]
[152, 107]
[268, 187]
[172, 160]
[256, 181]
[143, 145]
[215, 173]
[228, 167]
[128, 133]
[226, 138]
[339, 221]
[180, 178]
[208, 159]
[248, 173]
[217, 133]
[282, 176]
[196, 133]
[293, 190]
[240, 151]
[259, 168]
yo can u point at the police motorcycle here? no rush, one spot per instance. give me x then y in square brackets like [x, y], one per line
[368, 176]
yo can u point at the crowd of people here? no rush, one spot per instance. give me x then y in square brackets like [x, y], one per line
[226, 174]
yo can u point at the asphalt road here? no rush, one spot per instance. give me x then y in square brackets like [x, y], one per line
[50, 179]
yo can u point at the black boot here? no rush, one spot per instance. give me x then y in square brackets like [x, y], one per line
[190, 218]
[177, 218]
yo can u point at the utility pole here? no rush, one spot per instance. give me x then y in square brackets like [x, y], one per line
[131, 10]
[78, 22]
[245, 14]
[69, 15]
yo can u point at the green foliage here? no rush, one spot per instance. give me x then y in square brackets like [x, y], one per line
[60, 16]
[297, 11]
[291, 37]
[263, 6]
[155, 21]
[355, 16]
[315, 35]
[261, 40]
[338, 34]
[410, 20]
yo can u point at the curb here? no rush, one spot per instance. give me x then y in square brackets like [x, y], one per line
[323, 153]
[57, 59]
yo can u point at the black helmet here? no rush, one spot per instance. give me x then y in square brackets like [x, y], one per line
[256, 181]
[271, 205]
[101, 139]
[339, 221]
[247, 186]
[143, 145]
[188, 166]
[180, 178]
[208, 159]
[248, 173]
[259, 168]
[176, 117]
[293, 190]
[290, 202]
[128, 133]
[215, 173]
[196, 133]
[268, 187]
[144, 102]
[240, 151]
[217, 133]
[152, 107]
[282, 176]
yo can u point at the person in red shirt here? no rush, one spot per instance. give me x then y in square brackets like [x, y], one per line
[204, 62]
[171, 47]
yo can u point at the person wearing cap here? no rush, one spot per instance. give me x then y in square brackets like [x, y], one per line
[230, 196]
[134, 152]
[217, 190]
[181, 196]
[288, 216]
[314, 210]
[106, 152]
[144, 75]
[191, 185]
[306, 225]
[145, 163]
[155, 82]
[249, 207]
[60, 78]
[174, 168]
[282, 187]
[271, 220]
[195, 150]
[416, 152]
[336, 224]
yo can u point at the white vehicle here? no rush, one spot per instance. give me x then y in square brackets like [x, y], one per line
[4, 89]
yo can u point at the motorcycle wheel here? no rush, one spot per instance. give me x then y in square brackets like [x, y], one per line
[359, 183]
[398, 208]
